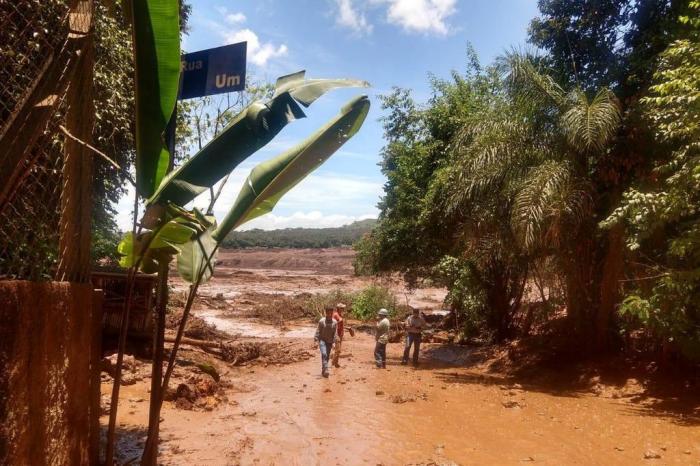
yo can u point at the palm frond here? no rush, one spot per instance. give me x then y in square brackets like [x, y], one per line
[551, 202]
[590, 125]
[527, 80]
[500, 151]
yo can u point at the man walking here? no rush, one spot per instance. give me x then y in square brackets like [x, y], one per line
[381, 338]
[325, 337]
[414, 328]
[338, 317]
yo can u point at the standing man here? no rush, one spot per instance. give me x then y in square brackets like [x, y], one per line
[414, 328]
[338, 317]
[325, 337]
[381, 338]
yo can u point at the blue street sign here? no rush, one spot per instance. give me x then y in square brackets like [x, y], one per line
[213, 71]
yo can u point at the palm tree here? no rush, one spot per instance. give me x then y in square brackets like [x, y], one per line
[534, 158]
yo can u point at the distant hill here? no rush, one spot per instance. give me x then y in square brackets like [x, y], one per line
[299, 237]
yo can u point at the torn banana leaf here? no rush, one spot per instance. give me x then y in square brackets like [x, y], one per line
[306, 91]
[249, 131]
[166, 242]
[196, 257]
[270, 180]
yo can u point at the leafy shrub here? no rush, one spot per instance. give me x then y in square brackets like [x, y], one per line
[668, 316]
[368, 302]
[466, 294]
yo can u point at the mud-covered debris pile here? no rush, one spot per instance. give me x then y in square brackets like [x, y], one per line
[408, 398]
[133, 370]
[197, 392]
[263, 352]
[278, 308]
[196, 326]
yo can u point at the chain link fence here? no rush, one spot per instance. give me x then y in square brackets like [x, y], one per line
[38, 52]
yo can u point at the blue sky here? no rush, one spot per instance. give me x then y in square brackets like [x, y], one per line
[386, 42]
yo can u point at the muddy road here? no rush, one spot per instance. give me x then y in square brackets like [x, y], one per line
[452, 409]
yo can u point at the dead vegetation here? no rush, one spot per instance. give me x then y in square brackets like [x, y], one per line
[278, 309]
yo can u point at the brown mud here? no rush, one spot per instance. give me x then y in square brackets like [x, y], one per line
[462, 405]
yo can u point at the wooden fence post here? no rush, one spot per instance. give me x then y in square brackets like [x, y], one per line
[76, 195]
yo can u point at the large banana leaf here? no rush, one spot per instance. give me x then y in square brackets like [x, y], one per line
[270, 180]
[196, 258]
[249, 131]
[156, 26]
[159, 244]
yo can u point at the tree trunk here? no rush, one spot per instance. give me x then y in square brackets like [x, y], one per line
[498, 301]
[612, 268]
[592, 271]
[578, 269]
[150, 450]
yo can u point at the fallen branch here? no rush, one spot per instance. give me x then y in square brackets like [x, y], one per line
[98, 152]
[194, 342]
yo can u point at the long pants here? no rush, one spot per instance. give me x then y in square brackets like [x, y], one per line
[412, 339]
[336, 352]
[325, 348]
[380, 354]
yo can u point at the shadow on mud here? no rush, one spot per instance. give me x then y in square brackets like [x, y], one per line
[668, 395]
[129, 444]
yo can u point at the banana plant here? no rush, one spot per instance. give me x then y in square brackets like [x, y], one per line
[156, 45]
[167, 229]
[261, 191]
[167, 223]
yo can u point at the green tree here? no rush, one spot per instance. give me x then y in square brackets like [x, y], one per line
[660, 212]
[604, 43]
[537, 158]
[422, 231]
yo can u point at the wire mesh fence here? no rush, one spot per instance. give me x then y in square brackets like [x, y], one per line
[37, 62]
[30, 33]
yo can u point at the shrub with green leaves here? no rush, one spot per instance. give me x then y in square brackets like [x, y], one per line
[466, 294]
[368, 302]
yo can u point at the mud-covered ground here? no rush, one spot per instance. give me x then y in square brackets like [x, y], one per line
[462, 405]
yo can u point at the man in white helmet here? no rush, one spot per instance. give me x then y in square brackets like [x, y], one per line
[381, 338]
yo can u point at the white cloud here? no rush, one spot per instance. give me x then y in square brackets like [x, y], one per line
[259, 53]
[313, 219]
[321, 199]
[348, 16]
[235, 18]
[426, 16]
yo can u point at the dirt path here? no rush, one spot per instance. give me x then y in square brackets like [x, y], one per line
[437, 414]
[451, 410]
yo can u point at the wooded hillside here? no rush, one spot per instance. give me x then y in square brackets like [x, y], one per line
[345, 235]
